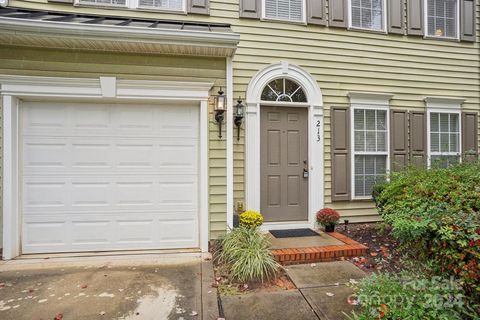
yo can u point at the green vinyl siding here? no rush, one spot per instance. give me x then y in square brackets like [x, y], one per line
[409, 67]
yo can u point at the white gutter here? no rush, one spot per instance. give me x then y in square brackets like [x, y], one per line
[228, 40]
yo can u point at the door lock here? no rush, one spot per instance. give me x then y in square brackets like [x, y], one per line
[305, 173]
[305, 169]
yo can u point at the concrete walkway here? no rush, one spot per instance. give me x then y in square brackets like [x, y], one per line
[322, 294]
[173, 287]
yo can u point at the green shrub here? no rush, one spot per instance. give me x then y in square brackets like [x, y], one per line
[407, 296]
[435, 215]
[251, 219]
[246, 252]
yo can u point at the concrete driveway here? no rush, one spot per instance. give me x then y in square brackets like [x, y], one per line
[129, 287]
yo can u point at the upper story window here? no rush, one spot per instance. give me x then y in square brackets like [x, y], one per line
[442, 18]
[166, 5]
[283, 90]
[176, 5]
[368, 14]
[286, 10]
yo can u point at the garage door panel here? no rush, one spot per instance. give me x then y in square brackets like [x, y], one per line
[93, 156]
[45, 195]
[109, 177]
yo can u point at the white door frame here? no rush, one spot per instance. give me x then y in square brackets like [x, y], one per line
[13, 89]
[315, 139]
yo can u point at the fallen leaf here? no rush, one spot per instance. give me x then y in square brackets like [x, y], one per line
[330, 294]
[83, 286]
[193, 313]
[58, 316]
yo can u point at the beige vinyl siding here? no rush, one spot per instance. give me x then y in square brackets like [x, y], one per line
[409, 67]
[66, 63]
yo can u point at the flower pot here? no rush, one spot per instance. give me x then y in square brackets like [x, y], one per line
[330, 228]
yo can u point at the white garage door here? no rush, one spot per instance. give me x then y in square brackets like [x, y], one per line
[109, 177]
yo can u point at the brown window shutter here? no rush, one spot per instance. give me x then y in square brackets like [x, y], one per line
[467, 20]
[251, 9]
[316, 12]
[418, 138]
[395, 15]
[338, 13]
[340, 125]
[199, 6]
[398, 139]
[415, 17]
[470, 136]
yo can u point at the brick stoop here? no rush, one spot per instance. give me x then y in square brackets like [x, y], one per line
[350, 248]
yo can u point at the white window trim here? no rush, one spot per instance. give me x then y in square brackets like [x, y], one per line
[132, 5]
[355, 106]
[384, 19]
[425, 23]
[438, 104]
[439, 153]
[304, 15]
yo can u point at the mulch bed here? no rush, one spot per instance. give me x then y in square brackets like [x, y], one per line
[382, 254]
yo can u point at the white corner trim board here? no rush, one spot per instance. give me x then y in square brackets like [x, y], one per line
[16, 90]
[284, 69]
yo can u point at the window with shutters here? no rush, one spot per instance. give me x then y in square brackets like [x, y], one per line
[444, 138]
[442, 18]
[285, 10]
[370, 149]
[368, 14]
[164, 5]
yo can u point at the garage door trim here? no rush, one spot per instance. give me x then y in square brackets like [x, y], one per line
[14, 89]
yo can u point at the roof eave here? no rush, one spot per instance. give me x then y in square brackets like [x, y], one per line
[193, 38]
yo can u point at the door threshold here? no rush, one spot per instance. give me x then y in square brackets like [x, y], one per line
[286, 225]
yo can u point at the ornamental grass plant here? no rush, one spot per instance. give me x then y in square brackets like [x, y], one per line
[246, 253]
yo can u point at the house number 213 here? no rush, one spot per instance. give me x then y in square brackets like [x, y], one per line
[318, 130]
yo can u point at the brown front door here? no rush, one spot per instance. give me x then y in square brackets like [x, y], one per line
[283, 158]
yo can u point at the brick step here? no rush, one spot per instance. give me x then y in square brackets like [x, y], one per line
[350, 248]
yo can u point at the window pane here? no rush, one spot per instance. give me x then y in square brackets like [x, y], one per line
[454, 122]
[359, 119]
[369, 164]
[444, 122]
[381, 141]
[434, 124]
[381, 120]
[359, 186]
[359, 140]
[444, 142]
[454, 142]
[434, 142]
[371, 143]
[356, 17]
[370, 119]
[359, 165]
[162, 4]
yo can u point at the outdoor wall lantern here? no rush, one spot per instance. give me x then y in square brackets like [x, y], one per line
[239, 116]
[219, 111]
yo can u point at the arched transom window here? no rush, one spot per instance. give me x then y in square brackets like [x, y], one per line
[283, 90]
